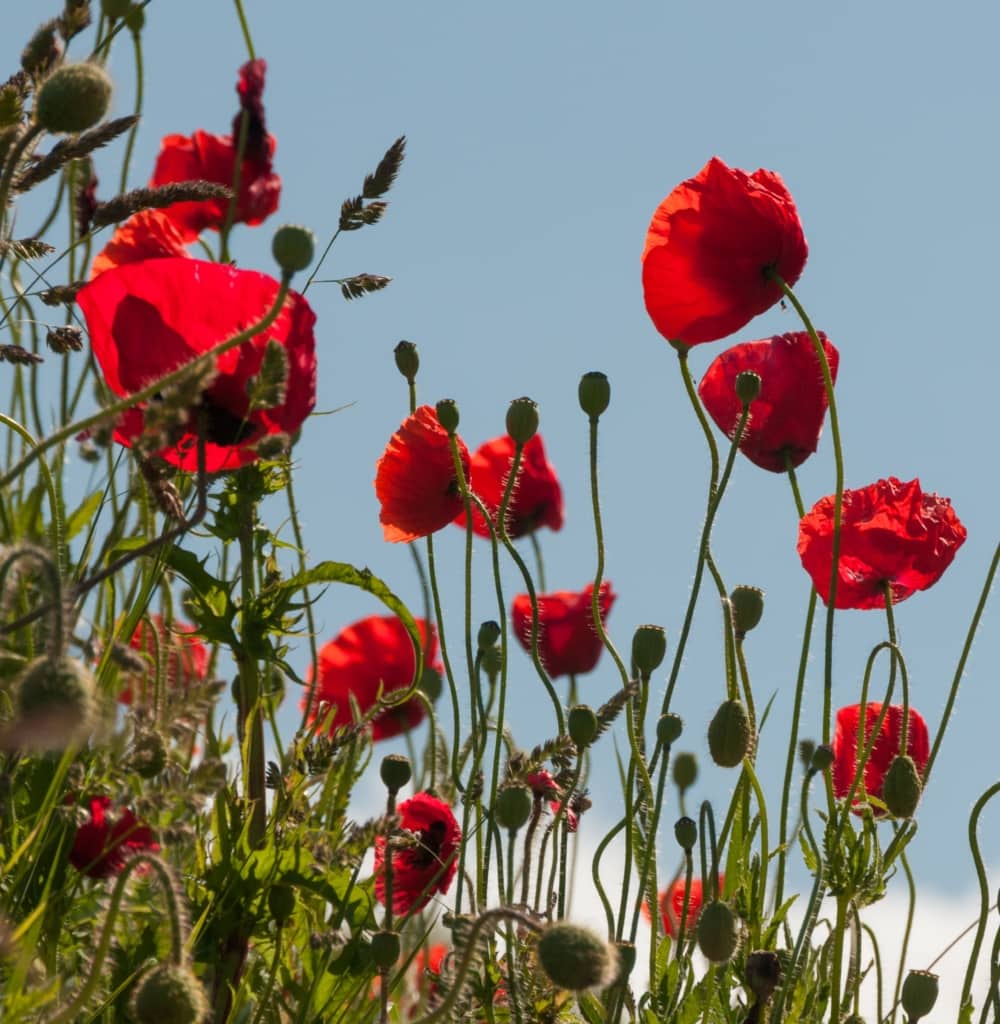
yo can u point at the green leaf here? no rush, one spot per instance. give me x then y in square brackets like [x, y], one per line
[590, 1007]
[81, 516]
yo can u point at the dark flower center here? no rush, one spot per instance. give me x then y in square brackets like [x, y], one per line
[428, 852]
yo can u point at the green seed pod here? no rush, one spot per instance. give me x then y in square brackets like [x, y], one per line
[748, 607]
[293, 247]
[583, 725]
[522, 420]
[576, 958]
[669, 729]
[169, 994]
[901, 787]
[729, 734]
[281, 902]
[594, 393]
[686, 833]
[407, 360]
[395, 771]
[718, 932]
[54, 703]
[513, 806]
[385, 949]
[649, 648]
[447, 414]
[762, 972]
[488, 635]
[920, 992]
[685, 770]
[73, 98]
[747, 386]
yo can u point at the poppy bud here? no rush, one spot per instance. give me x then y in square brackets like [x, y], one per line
[594, 393]
[522, 420]
[135, 19]
[293, 247]
[748, 607]
[901, 787]
[626, 959]
[395, 771]
[149, 755]
[385, 948]
[763, 972]
[53, 703]
[821, 757]
[73, 98]
[729, 734]
[169, 994]
[686, 833]
[512, 807]
[583, 725]
[281, 902]
[447, 414]
[747, 386]
[430, 683]
[489, 634]
[576, 958]
[718, 932]
[407, 360]
[685, 771]
[920, 992]
[115, 8]
[649, 648]
[669, 729]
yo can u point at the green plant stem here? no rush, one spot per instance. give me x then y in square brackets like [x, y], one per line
[245, 28]
[839, 931]
[984, 896]
[911, 906]
[140, 78]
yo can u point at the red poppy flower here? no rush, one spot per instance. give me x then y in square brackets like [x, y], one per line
[543, 784]
[536, 499]
[147, 319]
[184, 657]
[709, 246]
[148, 235]
[891, 532]
[887, 746]
[415, 478]
[373, 653]
[567, 641]
[787, 415]
[206, 157]
[103, 844]
[672, 905]
[429, 865]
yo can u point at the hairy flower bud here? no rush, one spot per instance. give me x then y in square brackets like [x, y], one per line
[669, 729]
[513, 806]
[821, 757]
[718, 932]
[748, 607]
[583, 725]
[73, 98]
[729, 734]
[901, 787]
[576, 958]
[169, 994]
[53, 703]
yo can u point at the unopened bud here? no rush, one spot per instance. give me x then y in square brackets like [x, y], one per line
[901, 787]
[729, 734]
[169, 994]
[583, 725]
[718, 932]
[522, 420]
[649, 648]
[822, 757]
[447, 414]
[748, 607]
[53, 703]
[395, 772]
[685, 770]
[920, 992]
[512, 807]
[576, 958]
[489, 634]
[594, 393]
[669, 729]
[747, 386]
[73, 98]
[293, 247]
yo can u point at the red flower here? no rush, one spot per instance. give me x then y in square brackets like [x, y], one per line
[543, 784]
[537, 497]
[891, 532]
[372, 653]
[184, 657]
[429, 865]
[787, 415]
[567, 641]
[102, 846]
[415, 478]
[887, 746]
[147, 319]
[208, 157]
[146, 236]
[672, 905]
[708, 248]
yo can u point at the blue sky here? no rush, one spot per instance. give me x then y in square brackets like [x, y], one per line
[541, 138]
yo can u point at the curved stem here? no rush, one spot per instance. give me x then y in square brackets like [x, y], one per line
[984, 896]
[911, 905]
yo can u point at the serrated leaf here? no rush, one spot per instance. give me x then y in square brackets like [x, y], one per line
[807, 854]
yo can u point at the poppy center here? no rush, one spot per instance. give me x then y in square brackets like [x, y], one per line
[429, 850]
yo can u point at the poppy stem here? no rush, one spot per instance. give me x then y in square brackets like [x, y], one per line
[245, 28]
[911, 905]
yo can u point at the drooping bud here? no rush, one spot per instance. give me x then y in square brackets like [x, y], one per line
[748, 607]
[73, 98]
[281, 902]
[685, 770]
[169, 994]
[718, 932]
[649, 648]
[594, 393]
[447, 414]
[385, 948]
[669, 729]
[822, 757]
[576, 958]
[293, 247]
[395, 772]
[920, 992]
[901, 787]
[407, 360]
[522, 420]
[686, 833]
[582, 724]
[53, 703]
[747, 386]
[513, 806]
[488, 635]
[729, 734]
